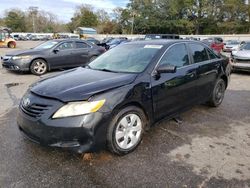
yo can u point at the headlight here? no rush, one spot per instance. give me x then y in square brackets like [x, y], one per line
[78, 108]
[21, 57]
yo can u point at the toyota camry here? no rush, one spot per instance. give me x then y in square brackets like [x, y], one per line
[112, 101]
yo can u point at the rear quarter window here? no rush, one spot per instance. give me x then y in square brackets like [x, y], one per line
[82, 45]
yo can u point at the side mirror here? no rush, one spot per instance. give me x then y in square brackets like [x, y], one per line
[55, 51]
[166, 69]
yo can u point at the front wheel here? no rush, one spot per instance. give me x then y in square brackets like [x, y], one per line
[92, 58]
[126, 130]
[38, 67]
[218, 93]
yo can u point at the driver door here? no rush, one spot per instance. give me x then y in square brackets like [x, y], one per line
[62, 56]
[173, 92]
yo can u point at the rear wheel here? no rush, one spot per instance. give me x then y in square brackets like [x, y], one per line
[218, 93]
[126, 130]
[38, 67]
[11, 45]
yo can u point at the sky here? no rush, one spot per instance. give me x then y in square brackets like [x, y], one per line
[64, 9]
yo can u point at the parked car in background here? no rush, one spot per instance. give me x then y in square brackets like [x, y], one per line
[119, 95]
[93, 40]
[192, 38]
[231, 45]
[215, 43]
[138, 39]
[115, 42]
[52, 54]
[241, 58]
[107, 40]
[161, 36]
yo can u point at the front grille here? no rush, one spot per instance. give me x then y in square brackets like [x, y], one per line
[34, 110]
[242, 61]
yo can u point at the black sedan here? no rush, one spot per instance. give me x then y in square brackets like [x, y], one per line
[122, 93]
[54, 54]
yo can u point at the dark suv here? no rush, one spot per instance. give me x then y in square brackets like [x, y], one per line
[120, 94]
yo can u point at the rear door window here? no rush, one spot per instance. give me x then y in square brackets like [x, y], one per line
[199, 53]
[177, 55]
[211, 54]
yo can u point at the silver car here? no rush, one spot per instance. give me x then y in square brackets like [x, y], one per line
[231, 45]
[241, 58]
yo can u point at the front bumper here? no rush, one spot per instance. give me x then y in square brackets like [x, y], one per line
[81, 133]
[16, 65]
[241, 65]
[228, 50]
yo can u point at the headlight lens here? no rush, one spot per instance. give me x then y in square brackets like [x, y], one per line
[78, 108]
[21, 57]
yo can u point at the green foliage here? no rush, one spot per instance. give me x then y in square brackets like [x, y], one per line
[84, 17]
[144, 16]
[15, 19]
[20, 21]
[187, 16]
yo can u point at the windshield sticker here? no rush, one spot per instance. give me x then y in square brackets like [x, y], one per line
[153, 46]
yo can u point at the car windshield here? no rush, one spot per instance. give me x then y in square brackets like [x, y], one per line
[245, 46]
[47, 45]
[232, 42]
[126, 58]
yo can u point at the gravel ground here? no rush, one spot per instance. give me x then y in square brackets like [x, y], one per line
[211, 148]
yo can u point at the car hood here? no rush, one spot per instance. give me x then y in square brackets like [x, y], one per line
[231, 45]
[80, 84]
[25, 52]
[242, 54]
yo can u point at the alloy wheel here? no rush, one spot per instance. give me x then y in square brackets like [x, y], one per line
[219, 92]
[40, 67]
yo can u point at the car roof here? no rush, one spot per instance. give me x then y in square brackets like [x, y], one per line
[163, 42]
[68, 40]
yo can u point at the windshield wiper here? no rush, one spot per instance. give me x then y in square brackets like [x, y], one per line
[87, 66]
[106, 70]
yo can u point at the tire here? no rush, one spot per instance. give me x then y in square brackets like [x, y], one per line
[121, 132]
[218, 93]
[39, 67]
[92, 58]
[11, 45]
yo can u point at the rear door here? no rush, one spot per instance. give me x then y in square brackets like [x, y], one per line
[172, 92]
[208, 65]
[81, 52]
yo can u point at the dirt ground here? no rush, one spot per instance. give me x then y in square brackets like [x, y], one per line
[211, 148]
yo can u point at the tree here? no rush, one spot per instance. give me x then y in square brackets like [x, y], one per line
[84, 17]
[15, 19]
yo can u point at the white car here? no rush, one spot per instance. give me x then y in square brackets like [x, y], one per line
[231, 45]
[241, 58]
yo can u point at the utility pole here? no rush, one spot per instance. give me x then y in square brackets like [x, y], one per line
[133, 21]
[33, 11]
